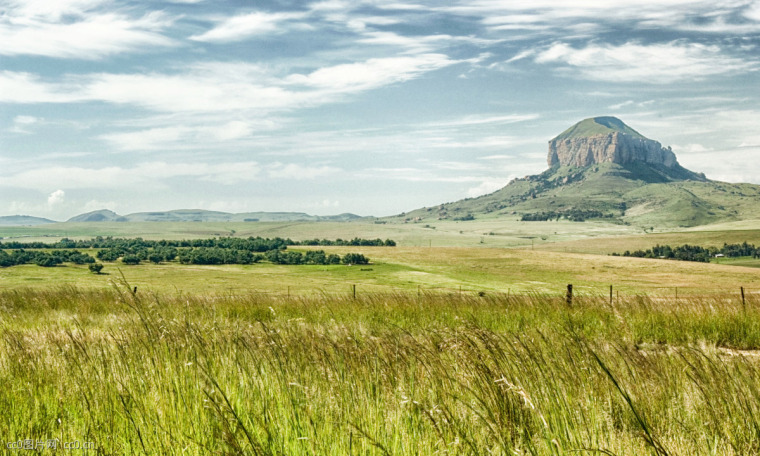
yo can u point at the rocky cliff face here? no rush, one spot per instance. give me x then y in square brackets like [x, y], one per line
[615, 147]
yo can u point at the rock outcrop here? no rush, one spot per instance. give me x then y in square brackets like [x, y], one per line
[606, 139]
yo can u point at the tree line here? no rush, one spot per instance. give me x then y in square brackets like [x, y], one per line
[202, 251]
[574, 215]
[688, 252]
[46, 259]
[254, 244]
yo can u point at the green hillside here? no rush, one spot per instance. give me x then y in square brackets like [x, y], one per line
[598, 126]
[637, 194]
[641, 185]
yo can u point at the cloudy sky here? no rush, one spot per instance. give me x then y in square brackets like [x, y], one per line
[366, 106]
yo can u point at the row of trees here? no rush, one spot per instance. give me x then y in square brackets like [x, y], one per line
[215, 255]
[253, 244]
[574, 215]
[344, 242]
[225, 250]
[197, 255]
[46, 259]
[694, 252]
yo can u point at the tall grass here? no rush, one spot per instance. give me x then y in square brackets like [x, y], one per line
[379, 374]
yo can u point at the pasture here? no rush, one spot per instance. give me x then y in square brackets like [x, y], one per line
[410, 269]
[448, 346]
[385, 373]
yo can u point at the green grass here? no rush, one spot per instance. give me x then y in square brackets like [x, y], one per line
[410, 269]
[386, 373]
[619, 244]
[597, 126]
[489, 232]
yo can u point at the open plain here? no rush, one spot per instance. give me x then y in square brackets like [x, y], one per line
[459, 340]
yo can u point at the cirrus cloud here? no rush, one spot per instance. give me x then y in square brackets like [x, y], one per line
[635, 62]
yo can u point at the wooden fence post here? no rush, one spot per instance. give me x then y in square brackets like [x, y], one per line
[353, 287]
[744, 303]
[610, 295]
[569, 296]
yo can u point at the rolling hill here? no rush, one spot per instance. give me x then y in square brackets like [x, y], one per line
[600, 168]
[23, 220]
[200, 215]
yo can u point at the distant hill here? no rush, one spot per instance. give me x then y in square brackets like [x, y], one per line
[23, 220]
[601, 168]
[200, 215]
[103, 215]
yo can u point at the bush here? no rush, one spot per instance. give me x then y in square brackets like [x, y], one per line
[355, 258]
[95, 268]
[131, 259]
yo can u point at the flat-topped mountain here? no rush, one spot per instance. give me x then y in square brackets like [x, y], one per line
[608, 140]
[600, 168]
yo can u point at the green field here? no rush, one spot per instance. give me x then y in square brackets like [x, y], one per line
[380, 374]
[411, 269]
[458, 341]
[479, 233]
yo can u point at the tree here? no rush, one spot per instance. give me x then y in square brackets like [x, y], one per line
[95, 268]
[355, 258]
[47, 261]
[130, 259]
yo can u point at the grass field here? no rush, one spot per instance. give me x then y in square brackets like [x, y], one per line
[409, 269]
[380, 374]
[480, 233]
[448, 346]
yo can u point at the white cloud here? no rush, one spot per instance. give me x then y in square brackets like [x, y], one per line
[371, 73]
[56, 198]
[732, 166]
[489, 185]
[184, 136]
[753, 11]
[293, 171]
[22, 87]
[244, 26]
[224, 88]
[480, 119]
[153, 175]
[21, 124]
[76, 29]
[634, 62]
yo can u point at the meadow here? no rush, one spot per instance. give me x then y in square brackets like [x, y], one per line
[382, 373]
[459, 349]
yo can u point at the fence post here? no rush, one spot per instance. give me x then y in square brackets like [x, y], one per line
[744, 303]
[353, 287]
[569, 296]
[610, 295]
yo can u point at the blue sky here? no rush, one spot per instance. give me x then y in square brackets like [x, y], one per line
[365, 106]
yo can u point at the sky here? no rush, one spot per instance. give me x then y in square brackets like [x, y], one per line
[364, 106]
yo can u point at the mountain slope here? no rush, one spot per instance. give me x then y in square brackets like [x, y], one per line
[23, 220]
[103, 215]
[601, 168]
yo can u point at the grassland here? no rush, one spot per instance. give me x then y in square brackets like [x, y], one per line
[481, 233]
[409, 269]
[379, 374]
[448, 347]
